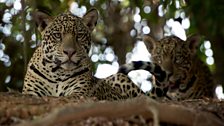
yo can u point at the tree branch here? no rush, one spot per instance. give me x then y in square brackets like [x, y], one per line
[144, 106]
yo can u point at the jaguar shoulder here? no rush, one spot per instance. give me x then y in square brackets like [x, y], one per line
[179, 72]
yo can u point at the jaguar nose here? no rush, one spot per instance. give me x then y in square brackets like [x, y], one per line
[69, 52]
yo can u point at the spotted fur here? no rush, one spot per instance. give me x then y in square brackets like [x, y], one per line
[60, 66]
[179, 72]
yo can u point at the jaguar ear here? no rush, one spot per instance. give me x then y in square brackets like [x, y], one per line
[149, 42]
[41, 19]
[194, 42]
[90, 18]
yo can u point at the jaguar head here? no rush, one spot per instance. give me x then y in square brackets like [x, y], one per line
[174, 56]
[66, 39]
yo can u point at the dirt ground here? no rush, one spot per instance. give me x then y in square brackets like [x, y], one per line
[23, 110]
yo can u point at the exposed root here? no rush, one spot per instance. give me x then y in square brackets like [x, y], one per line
[148, 108]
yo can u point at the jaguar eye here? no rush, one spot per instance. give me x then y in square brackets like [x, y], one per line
[80, 35]
[57, 35]
[182, 86]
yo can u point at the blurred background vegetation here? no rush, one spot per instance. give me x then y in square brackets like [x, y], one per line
[116, 37]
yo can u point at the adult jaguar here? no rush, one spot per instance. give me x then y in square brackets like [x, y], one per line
[60, 66]
[179, 72]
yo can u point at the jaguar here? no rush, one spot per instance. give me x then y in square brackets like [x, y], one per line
[60, 65]
[179, 72]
